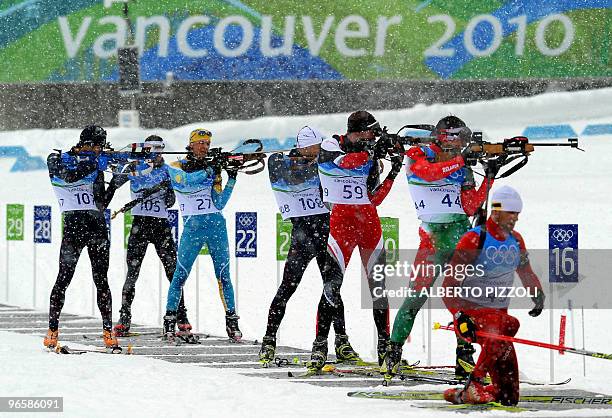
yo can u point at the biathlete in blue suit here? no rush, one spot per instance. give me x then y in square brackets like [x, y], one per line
[197, 186]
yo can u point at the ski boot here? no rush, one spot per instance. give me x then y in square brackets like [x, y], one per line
[122, 328]
[474, 392]
[184, 330]
[382, 348]
[344, 350]
[231, 326]
[318, 357]
[169, 327]
[392, 362]
[51, 339]
[268, 349]
[110, 341]
[464, 352]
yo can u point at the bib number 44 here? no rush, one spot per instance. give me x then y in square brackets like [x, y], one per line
[447, 201]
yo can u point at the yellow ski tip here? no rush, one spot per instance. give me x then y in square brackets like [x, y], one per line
[328, 368]
[436, 325]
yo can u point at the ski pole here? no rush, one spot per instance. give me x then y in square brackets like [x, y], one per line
[485, 334]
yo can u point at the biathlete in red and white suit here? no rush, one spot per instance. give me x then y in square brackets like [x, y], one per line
[349, 177]
[497, 253]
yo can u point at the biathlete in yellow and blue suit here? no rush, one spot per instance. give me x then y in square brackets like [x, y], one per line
[197, 185]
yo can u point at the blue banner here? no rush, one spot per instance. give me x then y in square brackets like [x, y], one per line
[246, 234]
[42, 224]
[173, 219]
[563, 253]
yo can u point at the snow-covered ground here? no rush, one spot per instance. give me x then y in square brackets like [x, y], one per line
[558, 186]
[135, 386]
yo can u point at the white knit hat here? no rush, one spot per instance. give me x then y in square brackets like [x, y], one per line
[506, 199]
[308, 136]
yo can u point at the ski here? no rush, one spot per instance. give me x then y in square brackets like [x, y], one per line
[468, 368]
[436, 396]
[64, 349]
[467, 408]
[416, 375]
[296, 361]
[328, 369]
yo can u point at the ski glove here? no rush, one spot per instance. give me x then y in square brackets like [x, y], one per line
[397, 159]
[539, 304]
[492, 168]
[465, 327]
[232, 173]
[381, 148]
[469, 156]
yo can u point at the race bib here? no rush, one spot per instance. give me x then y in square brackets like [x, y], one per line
[77, 197]
[153, 206]
[196, 203]
[431, 200]
[299, 203]
[344, 186]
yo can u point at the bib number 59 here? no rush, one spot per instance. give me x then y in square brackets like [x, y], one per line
[349, 191]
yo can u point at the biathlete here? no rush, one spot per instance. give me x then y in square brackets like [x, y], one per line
[499, 251]
[77, 178]
[349, 171]
[295, 182]
[443, 190]
[201, 197]
[149, 225]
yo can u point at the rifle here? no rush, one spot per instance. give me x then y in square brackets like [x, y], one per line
[145, 195]
[511, 149]
[248, 162]
[131, 157]
[502, 153]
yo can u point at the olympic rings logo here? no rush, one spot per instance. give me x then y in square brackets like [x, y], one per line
[246, 220]
[42, 212]
[503, 254]
[563, 235]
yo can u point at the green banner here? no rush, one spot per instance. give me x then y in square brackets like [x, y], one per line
[128, 219]
[390, 232]
[283, 237]
[77, 40]
[14, 222]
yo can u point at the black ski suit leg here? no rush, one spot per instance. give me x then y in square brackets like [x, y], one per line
[301, 251]
[320, 238]
[99, 248]
[380, 304]
[136, 250]
[72, 244]
[330, 305]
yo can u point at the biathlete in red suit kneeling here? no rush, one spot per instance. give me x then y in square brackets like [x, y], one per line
[498, 252]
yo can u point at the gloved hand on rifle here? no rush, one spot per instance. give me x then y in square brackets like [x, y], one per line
[232, 172]
[381, 147]
[492, 168]
[397, 159]
[469, 156]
